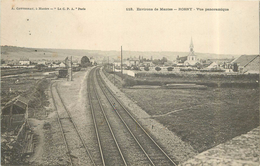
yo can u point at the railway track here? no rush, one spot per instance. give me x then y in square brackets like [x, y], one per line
[110, 152]
[153, 152]
[73, 141]
[118, 138]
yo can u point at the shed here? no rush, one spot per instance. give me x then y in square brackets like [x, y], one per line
[14, 113]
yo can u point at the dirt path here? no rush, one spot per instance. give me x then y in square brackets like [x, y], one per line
[168, 113]
[50, 149]
[37, 127]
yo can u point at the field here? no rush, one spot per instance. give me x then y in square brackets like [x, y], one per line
[204, 118]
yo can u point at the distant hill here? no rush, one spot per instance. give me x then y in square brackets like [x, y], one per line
[15, 53]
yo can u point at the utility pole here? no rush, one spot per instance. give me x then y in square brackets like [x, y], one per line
[122, 62]
[108, 67]
[114, 74]
[70, 69]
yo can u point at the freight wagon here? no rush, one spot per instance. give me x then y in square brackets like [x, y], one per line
[63, 73]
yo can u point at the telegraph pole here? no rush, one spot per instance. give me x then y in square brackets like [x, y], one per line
[122, 62]
[70, 69]
[114, 74]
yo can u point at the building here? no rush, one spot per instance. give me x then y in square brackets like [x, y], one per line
[75, 64]
[132, 61]
[181, 60]
[117, 63]
[247, 64]
[191, 58]
[14, 113]
[62, 64]
[92, 60]
[5, 66]
[24, 61]
[42, 63]
[147, 63]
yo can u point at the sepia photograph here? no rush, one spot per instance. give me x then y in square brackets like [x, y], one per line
[142, 83]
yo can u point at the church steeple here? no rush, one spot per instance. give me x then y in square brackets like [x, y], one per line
[191, 45]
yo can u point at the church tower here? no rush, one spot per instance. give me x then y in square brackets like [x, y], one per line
[191, 56]
[191, 46]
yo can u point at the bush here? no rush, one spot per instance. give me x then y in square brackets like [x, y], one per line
[129, 82]
[135, 68]
[158, 69]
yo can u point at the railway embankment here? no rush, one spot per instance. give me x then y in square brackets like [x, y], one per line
[241, 150]
[172, 144]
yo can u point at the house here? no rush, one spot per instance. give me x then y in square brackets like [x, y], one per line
[132, 62]
[181, 59]
[191, 58]
[24, 61]
[92, 60]
[247, 64]
[75, 64]
[117, 63]
[54, 65]
[5, 66]
[62, 64]
[42, 63]
[213, 65]
[147, 63]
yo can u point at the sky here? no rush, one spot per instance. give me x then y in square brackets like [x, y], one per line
[108, 26]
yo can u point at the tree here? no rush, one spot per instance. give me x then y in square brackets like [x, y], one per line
[157, 68]
[170, 68]
[164, 60]
[156, 61]
[2, 61]
[85, 61]
[146, 68]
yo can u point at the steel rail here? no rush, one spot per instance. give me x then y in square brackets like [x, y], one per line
[137, 122]
[75, 127]
[61, 128]
[94, 121]
[129, 130]
[108, 123]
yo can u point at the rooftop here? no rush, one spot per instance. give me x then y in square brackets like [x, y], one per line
[244, 60]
